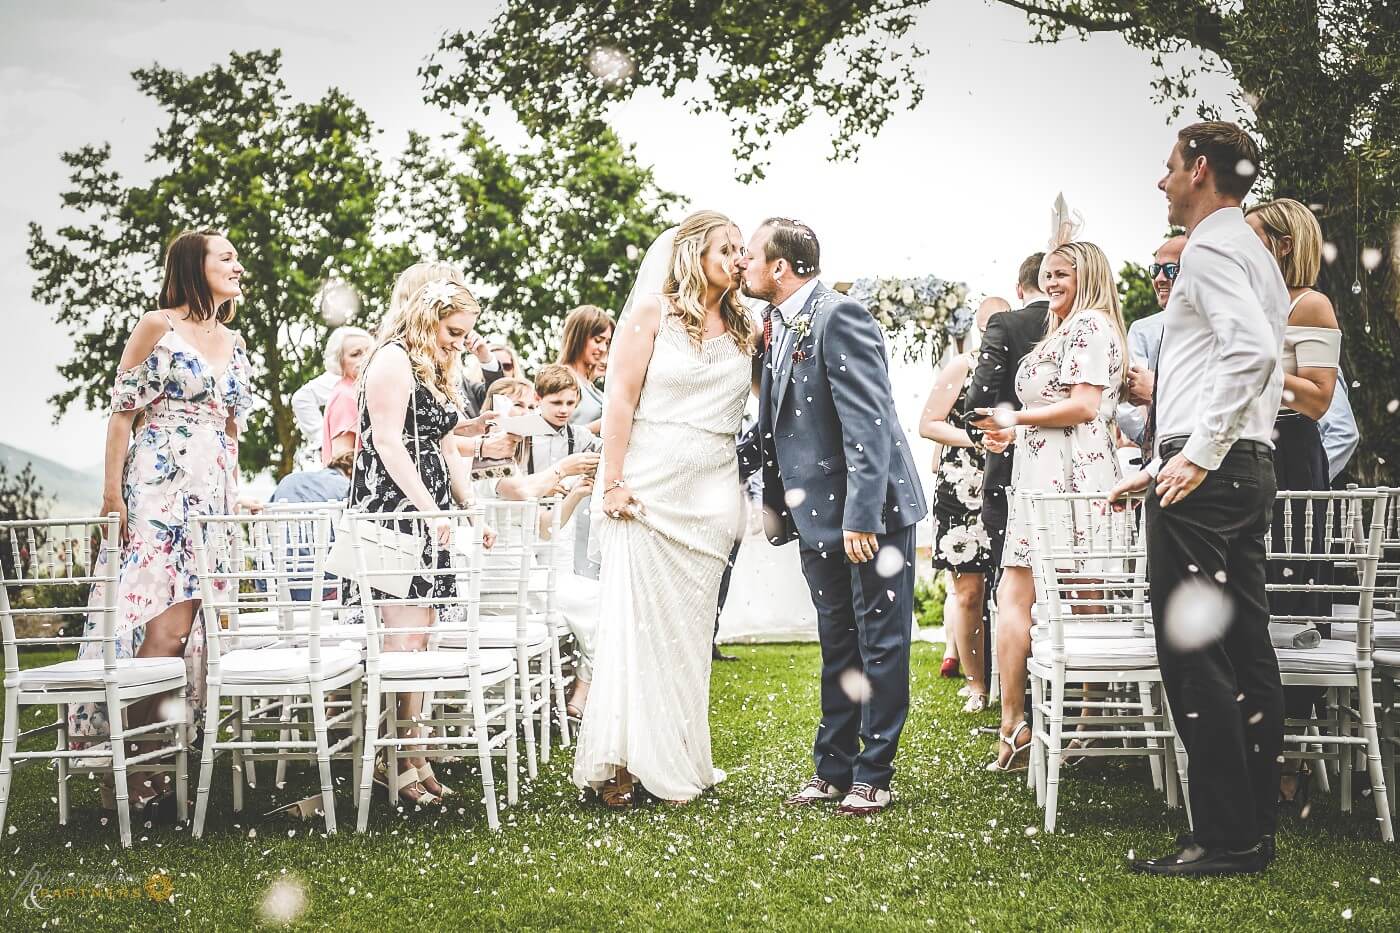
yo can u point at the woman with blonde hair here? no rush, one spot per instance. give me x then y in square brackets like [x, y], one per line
[668, 516]
[1312, 347]
[588, 332]
[412, 402]
[1069, 384]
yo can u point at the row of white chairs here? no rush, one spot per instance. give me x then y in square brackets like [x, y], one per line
[294, 672]
[1093, 670]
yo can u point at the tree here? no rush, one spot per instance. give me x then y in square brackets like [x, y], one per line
[1136, 293]
[1318, 78]
[303, 195]
[21, 499]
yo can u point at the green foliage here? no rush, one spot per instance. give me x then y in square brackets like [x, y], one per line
[302, 194]
[930, 593]
[1318, 76]
[1135, 293]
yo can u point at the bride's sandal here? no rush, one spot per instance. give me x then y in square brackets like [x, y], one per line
[1009, 764]
[618, 792]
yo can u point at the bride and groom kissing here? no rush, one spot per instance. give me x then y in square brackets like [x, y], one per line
[838, 476]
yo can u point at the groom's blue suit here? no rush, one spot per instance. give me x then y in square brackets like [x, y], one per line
[834, 458]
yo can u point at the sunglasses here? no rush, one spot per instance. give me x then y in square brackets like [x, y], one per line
[1170, 269]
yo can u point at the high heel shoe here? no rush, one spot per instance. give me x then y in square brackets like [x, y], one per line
[618, 792]
[408, 780]
[425, 774]
[1010, 740]
[976, 703]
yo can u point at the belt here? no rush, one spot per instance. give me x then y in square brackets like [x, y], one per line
[1178, 441]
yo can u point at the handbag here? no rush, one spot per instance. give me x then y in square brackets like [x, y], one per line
[383, 548]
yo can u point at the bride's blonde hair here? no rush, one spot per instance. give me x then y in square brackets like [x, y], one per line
[1094, 290]
[413, 322]
[686, 284]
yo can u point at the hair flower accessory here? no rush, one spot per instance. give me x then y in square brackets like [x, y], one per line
[439, 293]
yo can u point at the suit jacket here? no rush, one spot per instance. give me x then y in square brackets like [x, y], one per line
[474, 393]
[827, 438]
[1009, 337]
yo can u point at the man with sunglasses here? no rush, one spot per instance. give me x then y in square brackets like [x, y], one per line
[1145, 342]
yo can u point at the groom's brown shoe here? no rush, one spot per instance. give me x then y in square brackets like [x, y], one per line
[813, 792]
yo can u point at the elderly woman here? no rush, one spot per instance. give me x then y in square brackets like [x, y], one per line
[309, 402]
[340, 428]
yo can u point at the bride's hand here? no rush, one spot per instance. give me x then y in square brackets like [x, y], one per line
[618, 502]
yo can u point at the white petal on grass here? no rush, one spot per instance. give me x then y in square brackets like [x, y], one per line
[1197, 614]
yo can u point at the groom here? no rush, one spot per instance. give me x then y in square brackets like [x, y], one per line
[838, 476]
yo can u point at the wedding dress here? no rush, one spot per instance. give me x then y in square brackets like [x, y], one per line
[648, 710]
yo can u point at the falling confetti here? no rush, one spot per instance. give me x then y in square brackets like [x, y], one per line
[855, 685]
[611, 66]
[889, 562]
[1197, 614]
[1371, 258]
[284, 902]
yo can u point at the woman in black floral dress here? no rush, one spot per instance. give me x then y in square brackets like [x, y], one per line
[410, 389]
[960, 543]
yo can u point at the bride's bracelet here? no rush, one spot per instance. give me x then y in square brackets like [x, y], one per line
[615, 484]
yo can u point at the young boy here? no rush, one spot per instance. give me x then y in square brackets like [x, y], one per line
[558, 397]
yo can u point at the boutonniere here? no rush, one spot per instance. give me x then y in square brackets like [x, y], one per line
[802, 327]
[799, 356]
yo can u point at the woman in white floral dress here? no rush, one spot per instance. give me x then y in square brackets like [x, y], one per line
[180, 399]
[1069, 385]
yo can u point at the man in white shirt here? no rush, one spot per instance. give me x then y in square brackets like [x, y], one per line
[1218, 387]
[1145, 341]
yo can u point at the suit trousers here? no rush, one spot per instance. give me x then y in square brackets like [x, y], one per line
[864, 622]
[1225, 696]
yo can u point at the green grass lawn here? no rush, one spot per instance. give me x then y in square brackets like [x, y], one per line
[959, 848]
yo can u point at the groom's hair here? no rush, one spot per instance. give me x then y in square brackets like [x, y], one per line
[1029, 275]
[794, 241]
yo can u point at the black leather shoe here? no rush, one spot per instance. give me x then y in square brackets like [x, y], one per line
[717, 655]
[1193, 861]
[1267, 850]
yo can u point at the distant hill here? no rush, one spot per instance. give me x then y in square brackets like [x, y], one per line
[70, 491]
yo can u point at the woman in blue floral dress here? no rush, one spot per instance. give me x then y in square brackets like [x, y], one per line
[180, 399]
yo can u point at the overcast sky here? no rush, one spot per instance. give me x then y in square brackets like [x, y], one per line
[960, 187]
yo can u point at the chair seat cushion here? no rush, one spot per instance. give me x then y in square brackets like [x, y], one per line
[1101, 653]
[283, 665]
[87, 673]
[1384, 634]
[500, 633]
[1348, 611]
[1386, 658]
[1329, 657]
[413, 665]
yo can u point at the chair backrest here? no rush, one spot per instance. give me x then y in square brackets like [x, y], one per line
[513, 560]
[1088, 559]
[249, 564]
[1298, 539]
[48, 571]
[457, 617]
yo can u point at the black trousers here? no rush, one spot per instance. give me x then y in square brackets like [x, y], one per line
[864, 622]
[1225, 696]
[724, 583]
[994, 515]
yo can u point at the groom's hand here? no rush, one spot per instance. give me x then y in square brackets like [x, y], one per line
[860, 546]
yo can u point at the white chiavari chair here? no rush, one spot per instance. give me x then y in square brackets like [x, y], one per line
[474, 688]
[1343, 668]
[1387, 641]
[1090, 568]
[267, 687]
[47, 571]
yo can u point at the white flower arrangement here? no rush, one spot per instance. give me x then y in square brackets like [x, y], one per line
[914, 312]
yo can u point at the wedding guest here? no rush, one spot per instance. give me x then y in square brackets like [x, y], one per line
[180, 399]
[1210, 495]
[505, 354]
[1312, 346]
[331, 483]
[1008, 338]
[309, 402]
[1340, 436]
[524, 476]
[1145, 342]
[960, 543]
[413, 404]
[584, 350]
[345, 353]
[1069, 385]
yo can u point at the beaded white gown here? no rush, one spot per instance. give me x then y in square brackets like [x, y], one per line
[648, 709]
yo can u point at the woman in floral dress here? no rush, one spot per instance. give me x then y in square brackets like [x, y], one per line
[960, 543]
[1069, 385]
[180, 400]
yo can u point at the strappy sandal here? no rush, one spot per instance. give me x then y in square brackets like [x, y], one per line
[425, 774]
[1016, 750]
[976, 703]
[618, 792]
[1070, 760]
[407, 778]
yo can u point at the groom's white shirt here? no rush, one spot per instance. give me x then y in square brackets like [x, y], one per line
[786, 312]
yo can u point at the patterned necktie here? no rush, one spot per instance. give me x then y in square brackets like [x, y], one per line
[768, 327]
[1149, 433]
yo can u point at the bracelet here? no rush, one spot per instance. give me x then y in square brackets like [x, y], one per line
[615, 484]
[476, 455]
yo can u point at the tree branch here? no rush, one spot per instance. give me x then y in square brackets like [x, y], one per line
[1069, 18]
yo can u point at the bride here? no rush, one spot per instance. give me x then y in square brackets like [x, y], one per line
[680, 373]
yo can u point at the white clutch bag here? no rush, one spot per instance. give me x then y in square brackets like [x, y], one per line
[383, 548]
